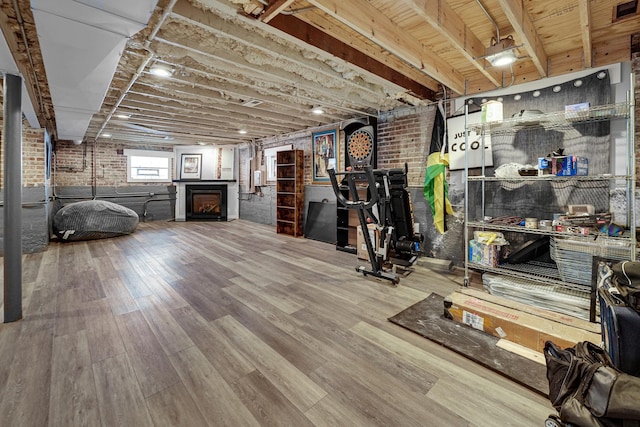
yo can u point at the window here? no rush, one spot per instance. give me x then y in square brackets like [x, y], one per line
[148, 166]
[270, 160]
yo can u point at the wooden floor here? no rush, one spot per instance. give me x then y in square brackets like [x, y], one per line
[228, 324]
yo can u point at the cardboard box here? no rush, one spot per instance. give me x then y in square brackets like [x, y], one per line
[481, 253]
[361, 246]
[529, 328]
[563, 166]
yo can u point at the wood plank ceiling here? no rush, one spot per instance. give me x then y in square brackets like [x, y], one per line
[259, 66]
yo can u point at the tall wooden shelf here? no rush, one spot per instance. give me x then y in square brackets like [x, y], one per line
[289, 192]
[347, 222]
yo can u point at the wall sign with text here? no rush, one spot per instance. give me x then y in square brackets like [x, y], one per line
[457, 146]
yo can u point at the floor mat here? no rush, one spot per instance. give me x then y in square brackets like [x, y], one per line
[426, 319]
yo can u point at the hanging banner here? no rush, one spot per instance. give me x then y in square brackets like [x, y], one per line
[458, 146]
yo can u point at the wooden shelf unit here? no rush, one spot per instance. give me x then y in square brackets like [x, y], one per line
[289, 192]
[347, 222]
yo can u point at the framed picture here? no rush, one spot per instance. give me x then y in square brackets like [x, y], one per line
[324, 146]
[191, 166]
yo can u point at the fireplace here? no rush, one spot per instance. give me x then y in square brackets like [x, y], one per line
[206, 202]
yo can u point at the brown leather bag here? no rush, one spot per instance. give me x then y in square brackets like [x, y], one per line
[587, 390]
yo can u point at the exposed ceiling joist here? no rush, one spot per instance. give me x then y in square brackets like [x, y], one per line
[526, 31]
[585, 26]
[274, 8]
[270, 58]
[229, 70]
[442, 17]
[362, 17]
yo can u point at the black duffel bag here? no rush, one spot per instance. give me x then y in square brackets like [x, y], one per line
[587, 390]
[626, 277]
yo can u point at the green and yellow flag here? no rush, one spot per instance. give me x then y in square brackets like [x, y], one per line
[436, 188]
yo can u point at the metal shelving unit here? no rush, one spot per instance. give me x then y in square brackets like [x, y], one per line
[608, 247]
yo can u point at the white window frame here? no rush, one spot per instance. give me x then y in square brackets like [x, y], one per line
[149, 153]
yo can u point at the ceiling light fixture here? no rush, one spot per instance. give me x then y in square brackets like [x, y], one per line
[123, 116]
[501, 53]
[161, 70]
[106, 135]
[317, 110]
[242, 131]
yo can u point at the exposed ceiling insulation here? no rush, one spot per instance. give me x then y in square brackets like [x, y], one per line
[260, 66]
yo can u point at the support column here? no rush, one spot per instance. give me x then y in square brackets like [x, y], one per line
[12, 135]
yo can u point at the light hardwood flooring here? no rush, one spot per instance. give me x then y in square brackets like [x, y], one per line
[229, 324]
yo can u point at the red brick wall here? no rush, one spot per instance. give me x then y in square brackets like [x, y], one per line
[404, 136]
[74, 164]
[33, 154]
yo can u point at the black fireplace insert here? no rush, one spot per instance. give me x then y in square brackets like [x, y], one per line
[206, 202]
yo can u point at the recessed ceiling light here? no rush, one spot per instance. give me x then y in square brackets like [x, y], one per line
[317, 110]
[106, 135]
[123, 116]
[242, 131]
[161, 70]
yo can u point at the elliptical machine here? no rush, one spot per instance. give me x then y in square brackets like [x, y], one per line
[398, 244]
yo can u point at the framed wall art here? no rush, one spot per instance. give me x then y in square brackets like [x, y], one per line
[191, 167]
[324, 146]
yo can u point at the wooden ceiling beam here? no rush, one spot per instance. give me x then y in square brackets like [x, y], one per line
[362, 17]
[274, 9]
[309, 34]
[447, 22]
[523, 26]
[585, 29]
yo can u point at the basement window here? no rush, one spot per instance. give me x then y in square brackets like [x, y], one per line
[148, 166]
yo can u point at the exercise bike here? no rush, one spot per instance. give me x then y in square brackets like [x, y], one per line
[388, 208]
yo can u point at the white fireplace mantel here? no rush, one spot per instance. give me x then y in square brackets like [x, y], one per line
[233, 204]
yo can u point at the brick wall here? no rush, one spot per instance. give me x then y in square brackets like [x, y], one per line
[74, 164]
[33, 154]
[404, 136]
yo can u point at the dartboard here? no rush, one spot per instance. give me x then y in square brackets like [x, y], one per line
[360, 145]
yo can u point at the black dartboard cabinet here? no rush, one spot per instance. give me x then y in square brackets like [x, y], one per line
[360, 150]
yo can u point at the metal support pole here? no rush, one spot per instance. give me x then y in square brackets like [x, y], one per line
[12, 135]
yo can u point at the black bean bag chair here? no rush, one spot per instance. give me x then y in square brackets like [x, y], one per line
[93, 219]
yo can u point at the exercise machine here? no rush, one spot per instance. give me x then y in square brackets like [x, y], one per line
[388, 208]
